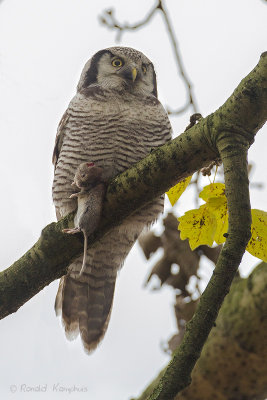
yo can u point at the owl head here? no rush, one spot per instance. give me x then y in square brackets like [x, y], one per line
[121, 69]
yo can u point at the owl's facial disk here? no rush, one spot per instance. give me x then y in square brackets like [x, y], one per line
[117, 72]
[123, 71]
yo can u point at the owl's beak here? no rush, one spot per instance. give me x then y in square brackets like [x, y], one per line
[134, 74]
[129, 73]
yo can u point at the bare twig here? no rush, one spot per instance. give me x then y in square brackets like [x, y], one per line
[191, 100]
[111, 22]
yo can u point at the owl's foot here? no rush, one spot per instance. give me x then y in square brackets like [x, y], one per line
[71, 231]
[73, 195]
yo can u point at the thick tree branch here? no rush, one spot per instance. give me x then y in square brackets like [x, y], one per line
[178, 372]
[226, 133]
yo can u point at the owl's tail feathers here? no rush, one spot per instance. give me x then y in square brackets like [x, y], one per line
[85, 305]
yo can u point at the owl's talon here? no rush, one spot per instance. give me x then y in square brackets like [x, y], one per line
[71, 231]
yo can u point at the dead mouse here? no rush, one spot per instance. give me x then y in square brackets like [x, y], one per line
[89, 178]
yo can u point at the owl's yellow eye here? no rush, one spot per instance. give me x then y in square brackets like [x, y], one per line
[144, 68]
[117, 62]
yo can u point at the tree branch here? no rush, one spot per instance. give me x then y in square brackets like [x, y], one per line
[178, 373]
[126, 193]
[227, 133]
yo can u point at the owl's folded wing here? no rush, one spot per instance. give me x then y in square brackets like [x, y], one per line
[59, 137]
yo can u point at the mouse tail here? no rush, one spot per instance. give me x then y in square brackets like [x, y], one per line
[84, 253]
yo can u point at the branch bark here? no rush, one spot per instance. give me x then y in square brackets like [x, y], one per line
[227, 133]
[178, 373]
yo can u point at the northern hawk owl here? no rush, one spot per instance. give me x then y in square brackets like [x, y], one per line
[114, 120]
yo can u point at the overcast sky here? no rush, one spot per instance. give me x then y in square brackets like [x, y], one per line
[43, 47]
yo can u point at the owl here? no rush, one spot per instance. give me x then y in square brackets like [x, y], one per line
[114, 120]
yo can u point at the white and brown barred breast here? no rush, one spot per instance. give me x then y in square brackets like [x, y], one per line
[112, 131]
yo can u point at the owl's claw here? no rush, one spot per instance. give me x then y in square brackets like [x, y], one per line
[71, 231]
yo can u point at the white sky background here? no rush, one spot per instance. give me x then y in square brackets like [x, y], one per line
[43, 47]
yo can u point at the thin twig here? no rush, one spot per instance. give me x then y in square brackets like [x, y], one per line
[191, 98]
[111, 22]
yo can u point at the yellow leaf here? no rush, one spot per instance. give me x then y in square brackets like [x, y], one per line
[214, 195]
[212, 190]
[221, 215]
[215, 203]
[198, 226]
[257, 246]
[176, 191]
